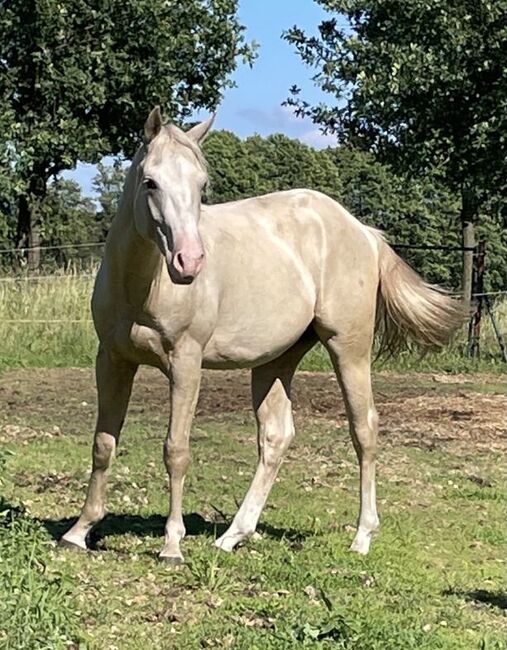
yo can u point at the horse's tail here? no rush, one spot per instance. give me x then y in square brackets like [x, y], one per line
[408, 308]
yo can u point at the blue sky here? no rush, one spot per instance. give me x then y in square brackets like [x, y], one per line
[254, 106]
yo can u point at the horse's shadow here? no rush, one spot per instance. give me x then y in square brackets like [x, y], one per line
[493, 598]
[153, 526]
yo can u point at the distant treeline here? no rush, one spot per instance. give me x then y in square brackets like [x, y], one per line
[416, 211]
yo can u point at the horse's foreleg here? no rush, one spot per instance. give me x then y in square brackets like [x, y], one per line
[114, 385]
[185, 377]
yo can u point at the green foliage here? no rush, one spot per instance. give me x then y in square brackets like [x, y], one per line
[257, 165]
[108, 185]
[424, 85]
[286, 164]
[233, 174]
[68, 218]
[77, 80]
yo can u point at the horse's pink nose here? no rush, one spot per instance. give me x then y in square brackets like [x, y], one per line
[188, 264]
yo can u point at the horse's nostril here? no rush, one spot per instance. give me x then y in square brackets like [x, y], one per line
[180, 261]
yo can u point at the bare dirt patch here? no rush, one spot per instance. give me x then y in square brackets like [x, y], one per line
[415, 409]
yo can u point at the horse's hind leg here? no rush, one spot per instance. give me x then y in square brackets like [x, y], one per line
[114, 385]
[352, 366]
[275, 429]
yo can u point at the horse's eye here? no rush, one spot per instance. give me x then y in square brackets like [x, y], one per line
[150, 184]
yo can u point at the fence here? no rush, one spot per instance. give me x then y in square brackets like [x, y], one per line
[484, 302]
[480, 298]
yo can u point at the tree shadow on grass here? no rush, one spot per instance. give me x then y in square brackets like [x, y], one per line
[153, 526]
[494, 598]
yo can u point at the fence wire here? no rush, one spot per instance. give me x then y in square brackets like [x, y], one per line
[31, 277]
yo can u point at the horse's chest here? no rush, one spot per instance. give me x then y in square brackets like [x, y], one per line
[141, 343]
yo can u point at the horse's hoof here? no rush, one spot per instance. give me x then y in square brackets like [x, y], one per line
[65, 543]
[225, 545]
[362, 540]
[173, 560]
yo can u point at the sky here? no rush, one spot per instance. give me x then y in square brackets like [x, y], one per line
[254, 105]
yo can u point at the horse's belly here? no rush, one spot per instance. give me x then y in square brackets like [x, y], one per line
[252, 340]
[244, 354]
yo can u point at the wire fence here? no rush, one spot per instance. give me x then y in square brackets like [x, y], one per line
[60, 247]
[20, 276]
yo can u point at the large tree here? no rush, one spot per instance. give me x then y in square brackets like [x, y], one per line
[68, 219]
[422, 84]
[77, 79]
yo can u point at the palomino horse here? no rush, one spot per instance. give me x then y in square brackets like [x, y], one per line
[252, 284]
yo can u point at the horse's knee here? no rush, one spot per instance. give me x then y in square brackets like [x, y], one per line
[176, 457]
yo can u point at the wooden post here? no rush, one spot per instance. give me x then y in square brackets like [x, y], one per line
[468, 215]
[478, 289]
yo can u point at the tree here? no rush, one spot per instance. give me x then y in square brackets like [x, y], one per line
[78, 78]
[287, 164]
[232, 171]
[68, 220]
[243, 168]
[423, 85]
[108, 186]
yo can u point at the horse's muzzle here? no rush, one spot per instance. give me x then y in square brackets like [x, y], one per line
[184, 268]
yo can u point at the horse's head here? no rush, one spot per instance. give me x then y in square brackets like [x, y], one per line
[171, 178]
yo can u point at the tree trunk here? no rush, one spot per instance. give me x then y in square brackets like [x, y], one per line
[28, 229]
[468, 218]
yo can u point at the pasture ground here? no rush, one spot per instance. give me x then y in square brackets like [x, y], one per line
[433, 579]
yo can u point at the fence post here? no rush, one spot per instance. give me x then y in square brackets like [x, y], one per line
[478, 290]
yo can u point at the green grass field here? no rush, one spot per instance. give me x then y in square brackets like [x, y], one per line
[434, 579]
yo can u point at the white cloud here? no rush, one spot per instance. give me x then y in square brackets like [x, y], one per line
[282, 119]
[315, 138]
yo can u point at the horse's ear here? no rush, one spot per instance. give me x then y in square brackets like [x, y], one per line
[198, 132]
[153, 124]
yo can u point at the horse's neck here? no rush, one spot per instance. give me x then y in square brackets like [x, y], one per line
[127, 252]
[132, 266]
[133, 262]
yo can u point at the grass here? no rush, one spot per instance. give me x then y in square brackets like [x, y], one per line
[45, 321]
[433, 580]
[36, 605]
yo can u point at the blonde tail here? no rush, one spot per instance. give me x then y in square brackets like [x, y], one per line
[409, 309]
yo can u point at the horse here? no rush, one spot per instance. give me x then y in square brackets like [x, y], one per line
[253, 283]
